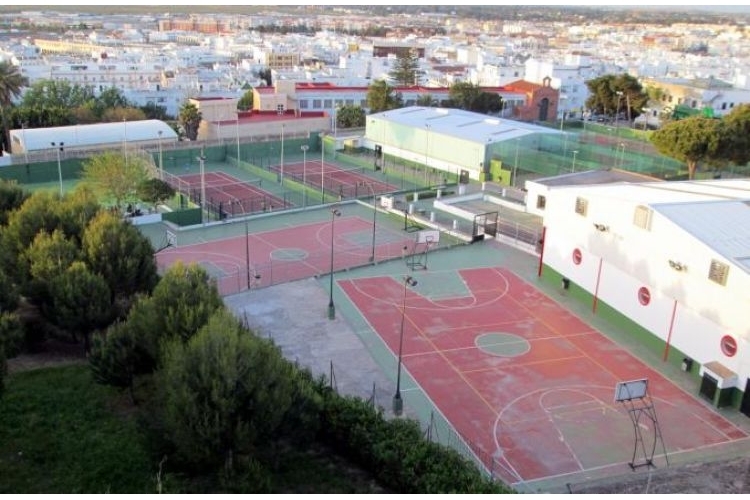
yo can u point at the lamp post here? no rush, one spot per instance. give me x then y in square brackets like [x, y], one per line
[374, 216]
[331, 308]
[161, 164]
[59, 165]
[25, 146]
[201, 161]
[398, 403]
[515, 164]
[125, 140]
[322, 168]
[575, 152]
[426, 150]
[304, 149]
[617, 114]
[237, 132]
[281, 177]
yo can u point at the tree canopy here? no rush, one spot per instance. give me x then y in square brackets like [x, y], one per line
[469, 97]
[613, 94]
[350, 116]
[382, 97]
[405, 69]
[11, 84]
[691, 140]
[114, 177]
[246, 101]
[226, 391]
[190, 119]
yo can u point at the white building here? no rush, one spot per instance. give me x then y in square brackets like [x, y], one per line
[671, 261]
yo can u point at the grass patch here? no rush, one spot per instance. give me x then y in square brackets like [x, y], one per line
[60, 432]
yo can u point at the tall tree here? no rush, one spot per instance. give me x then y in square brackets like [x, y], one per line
[190, 119]
[114, 177]
[426, 100]
[121, 254]
[464, 95]
[226, 392]
[613, 94]
[350, 116]
[246, 101]
[405, 69]
[11, 84]
[116, 358]
[12, 196]
[382, 97]
[80, 302]
[734, 136]
[691, 140]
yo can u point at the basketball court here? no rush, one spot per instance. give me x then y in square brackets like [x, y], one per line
[532, 389]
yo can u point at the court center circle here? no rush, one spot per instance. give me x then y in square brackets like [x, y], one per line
[506, 345]
[288, 254]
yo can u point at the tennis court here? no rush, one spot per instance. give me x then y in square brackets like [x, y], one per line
[226, 194]
[351, 183]
[527, 384]
[275, 256]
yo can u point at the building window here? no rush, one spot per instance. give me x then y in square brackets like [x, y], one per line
[723, 105]
[642, 217]
[541, 202]
[316, 103]
[718, 272]
[582, 206]
[327, 104]
[303, 103]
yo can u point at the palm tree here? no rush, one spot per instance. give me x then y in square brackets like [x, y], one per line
[190, 119]
[11, 82]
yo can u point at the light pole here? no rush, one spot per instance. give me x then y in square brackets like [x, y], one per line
[515, 164]
[617, 114]
[398, 403]
[125, 140]
[201, 160]
[304, 149]
[237, 131]
[374, 217]
[281, 177]
[331, 308]
[426, 150]
[322, 168]
[59, 165]
[575, 152]
[25, 146]
[161, 164]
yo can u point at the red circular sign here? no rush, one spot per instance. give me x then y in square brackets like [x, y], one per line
[577, 256]
[644, 296]
[728, 346]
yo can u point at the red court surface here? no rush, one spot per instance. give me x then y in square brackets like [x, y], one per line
[539, 402]
[285, 255]
[350, 184]
[236, 196]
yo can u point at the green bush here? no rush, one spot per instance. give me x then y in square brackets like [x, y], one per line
[395, 451]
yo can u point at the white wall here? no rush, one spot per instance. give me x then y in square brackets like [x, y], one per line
[631, 258]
